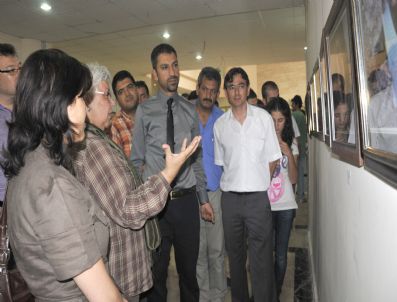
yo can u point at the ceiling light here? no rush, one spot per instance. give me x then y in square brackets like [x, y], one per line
[305, 48]
[45, 7]
[166, 35]
[199, 57]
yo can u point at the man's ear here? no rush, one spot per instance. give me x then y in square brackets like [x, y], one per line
[154, 75]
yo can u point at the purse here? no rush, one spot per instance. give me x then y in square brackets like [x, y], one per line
[13, 287]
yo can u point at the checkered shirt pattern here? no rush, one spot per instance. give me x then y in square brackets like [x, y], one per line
[121, 131]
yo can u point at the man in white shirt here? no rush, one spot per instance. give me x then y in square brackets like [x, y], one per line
[246, 147]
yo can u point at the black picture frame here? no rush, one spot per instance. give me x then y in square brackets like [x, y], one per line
[325, 92]
[375, 26]
[342, 84]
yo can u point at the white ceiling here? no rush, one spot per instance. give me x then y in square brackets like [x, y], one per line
[122, 33]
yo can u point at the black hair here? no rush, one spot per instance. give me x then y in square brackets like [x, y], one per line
[339, 98]
[281, 105]
[297, 100]
[158, 50]
[142, 84]
[252, 94]
[192, 95]
[119, 76]
[337, 77]
[209, 73]
[232, 73]
[7, 50]
[48, 83]
[268, 85]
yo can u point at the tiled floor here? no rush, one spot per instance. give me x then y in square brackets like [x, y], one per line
[297, 284]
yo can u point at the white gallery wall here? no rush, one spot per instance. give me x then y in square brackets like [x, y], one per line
[353, 214]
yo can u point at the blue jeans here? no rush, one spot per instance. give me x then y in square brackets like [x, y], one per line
[282, 223]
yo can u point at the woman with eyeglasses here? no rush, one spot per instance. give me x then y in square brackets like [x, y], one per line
[280, 192]
[115, 184]
[59, 236]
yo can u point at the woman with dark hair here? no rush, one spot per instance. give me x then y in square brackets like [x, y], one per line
[58, 235]
[280, 192]
[341, 117]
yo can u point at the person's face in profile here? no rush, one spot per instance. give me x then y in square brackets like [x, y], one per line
[342, 116]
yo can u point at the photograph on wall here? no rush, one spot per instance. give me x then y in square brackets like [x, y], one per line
[324, 92]
[318, 101]
[376, 22]
[342, 83]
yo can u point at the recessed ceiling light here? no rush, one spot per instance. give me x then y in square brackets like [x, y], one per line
[305, 48]
[45, 7]
[199, 57]
[166, 35]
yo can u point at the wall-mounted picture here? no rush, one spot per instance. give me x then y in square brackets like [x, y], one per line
[376, 31]
[324, 93]
[342, 84]
[313, 106]
[308, 108]
[317, 102]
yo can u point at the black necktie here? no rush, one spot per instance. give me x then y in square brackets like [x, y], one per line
[170, 125]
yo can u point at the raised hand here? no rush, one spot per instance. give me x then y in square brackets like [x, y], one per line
[174, 161]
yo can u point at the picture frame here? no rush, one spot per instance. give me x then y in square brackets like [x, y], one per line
[375, 25]
[325, 92]
[342, 84]
[317, 102]
[313, 123]
[308, 109]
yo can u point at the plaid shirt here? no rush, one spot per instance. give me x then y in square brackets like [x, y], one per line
[105, 173]
[121, 131]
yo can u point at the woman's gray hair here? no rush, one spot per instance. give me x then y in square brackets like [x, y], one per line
[99, 73]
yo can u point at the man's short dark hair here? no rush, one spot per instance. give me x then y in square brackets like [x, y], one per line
[142, 84]
[233, 72]
[119, 76]
[160, 49]
[268, 85]
[210, 73]
[7, 50]
[297, 100]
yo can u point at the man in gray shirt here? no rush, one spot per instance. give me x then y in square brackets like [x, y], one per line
[179, 221]
[9, 70]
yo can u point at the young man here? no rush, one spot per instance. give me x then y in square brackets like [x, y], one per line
[126, 93]
[211, 276]
[143, 91]
[9, 70]
[247, 148]
[169, 118]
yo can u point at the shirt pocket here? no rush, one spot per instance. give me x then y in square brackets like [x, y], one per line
[255, 149]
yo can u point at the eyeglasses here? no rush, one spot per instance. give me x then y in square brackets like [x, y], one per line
[232, 87]
[130, 86]
[106, 94]
[12, 71]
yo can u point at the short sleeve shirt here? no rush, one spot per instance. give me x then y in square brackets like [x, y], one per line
[56, 230]
[245, 150]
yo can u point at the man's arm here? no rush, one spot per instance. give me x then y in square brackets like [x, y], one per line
[138, 148]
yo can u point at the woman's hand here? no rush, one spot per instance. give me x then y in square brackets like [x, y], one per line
[174, 161]
[285, 149]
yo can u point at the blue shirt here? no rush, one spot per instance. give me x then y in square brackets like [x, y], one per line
[212, 171]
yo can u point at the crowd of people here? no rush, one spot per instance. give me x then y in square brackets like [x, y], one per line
[89, 191]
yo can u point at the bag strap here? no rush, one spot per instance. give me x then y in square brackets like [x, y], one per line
[4, 240]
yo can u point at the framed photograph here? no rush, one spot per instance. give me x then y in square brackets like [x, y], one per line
[317, 102]
[313, 116]
[342, 82]
[308, 108]
[375, 24]
[324, 92]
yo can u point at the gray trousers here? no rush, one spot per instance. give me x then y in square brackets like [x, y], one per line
[211, 276]
[248, 217]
